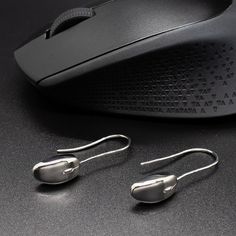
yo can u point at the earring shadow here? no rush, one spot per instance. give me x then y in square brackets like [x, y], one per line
[141, 208]
[45, 188]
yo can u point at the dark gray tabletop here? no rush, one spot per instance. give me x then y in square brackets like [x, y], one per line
[99, 202]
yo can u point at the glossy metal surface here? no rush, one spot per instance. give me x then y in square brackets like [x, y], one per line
[157, 188]
[65, 167]
[154, 189]
[57, 169]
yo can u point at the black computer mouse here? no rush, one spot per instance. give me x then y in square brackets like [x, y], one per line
[162, 58]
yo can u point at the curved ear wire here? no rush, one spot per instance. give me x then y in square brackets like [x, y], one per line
[63, 168]
[184, 153]
[88, 146]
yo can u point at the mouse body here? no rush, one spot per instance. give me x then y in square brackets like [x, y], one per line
[162, 58]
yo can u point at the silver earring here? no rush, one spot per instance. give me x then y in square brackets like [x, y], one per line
[156, 188]
[65, 166]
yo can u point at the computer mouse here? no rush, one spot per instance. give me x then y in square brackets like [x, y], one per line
[161, 58]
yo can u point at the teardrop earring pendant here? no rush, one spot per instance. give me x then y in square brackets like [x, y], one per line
[66, 166]
[157, 188]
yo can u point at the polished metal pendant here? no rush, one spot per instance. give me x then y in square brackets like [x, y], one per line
[66, 166]
[157, 188]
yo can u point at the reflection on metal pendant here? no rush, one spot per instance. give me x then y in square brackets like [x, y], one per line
[157, 188]
[65, 166]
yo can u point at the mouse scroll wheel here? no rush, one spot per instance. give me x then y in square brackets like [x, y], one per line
[68, 19]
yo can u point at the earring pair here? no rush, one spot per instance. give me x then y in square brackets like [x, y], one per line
[65, 166]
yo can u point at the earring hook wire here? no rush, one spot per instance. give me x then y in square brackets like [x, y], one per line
[102, 140]
[184, 153]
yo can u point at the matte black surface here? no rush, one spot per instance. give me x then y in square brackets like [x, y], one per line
[115, 25]
[98, 203]
[172, 58]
